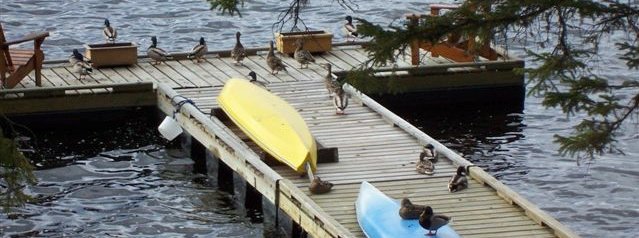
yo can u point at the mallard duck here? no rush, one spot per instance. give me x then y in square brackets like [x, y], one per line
[349, 30]
[77, 57]
[156, 54]
[82, 68]
[340, 100]
[274, 62]
[318, 186]
[408, 210]
[238, 53]
[425, 167]
[459, 181]
[301, 55]
[431, 222]
[330, 84]
[255, 81]
[429, 153]
[198, 51]
[109, 32]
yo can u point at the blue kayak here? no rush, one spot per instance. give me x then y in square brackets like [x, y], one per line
[378, 216]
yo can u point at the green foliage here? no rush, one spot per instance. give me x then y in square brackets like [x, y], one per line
[566, 37]
[15, 172]
[229, 6]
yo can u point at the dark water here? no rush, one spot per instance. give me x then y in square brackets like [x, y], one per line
[119, 178]
[594, 199]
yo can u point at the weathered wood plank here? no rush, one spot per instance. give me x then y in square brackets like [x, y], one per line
[156, 74]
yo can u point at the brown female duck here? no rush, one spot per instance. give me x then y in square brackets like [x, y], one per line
[408, 210]
[274, 62]
[302, 56]
[238, 53]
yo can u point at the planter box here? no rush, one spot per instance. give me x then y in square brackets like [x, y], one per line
[118, 54]
[314, 41]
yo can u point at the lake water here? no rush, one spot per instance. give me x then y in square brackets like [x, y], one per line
[595, 199]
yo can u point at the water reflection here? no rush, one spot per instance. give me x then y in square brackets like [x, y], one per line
[478, 132]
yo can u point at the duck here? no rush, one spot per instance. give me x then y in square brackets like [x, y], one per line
[349, 30]
[76, 56]
[82, 68]
[254, 80]
[425, 167]
[427, 160]
[340, 100]
[429, 153]
[109, 32]
[408, 210]
[319, 187]
[459, 181]
[156, 54]
[198, 51]
[301, 55]
[330, 84]
[431, 221]
[238, 52]
[274, 62]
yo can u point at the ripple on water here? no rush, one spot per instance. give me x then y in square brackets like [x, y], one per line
[145, 194]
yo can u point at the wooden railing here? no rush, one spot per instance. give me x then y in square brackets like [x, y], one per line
[454, 47]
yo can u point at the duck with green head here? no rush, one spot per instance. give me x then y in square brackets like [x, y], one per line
[158, 55]
[198, 51]
[109, 32]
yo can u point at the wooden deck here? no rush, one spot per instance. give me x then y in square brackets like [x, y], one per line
[373, 149]
[374, 144]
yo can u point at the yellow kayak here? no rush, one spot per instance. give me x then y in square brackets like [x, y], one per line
[270, 122]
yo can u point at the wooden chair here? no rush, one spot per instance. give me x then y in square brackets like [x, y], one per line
[15, 64]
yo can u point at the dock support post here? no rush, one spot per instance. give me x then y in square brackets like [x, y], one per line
[198, 155]
[224, 177]
[297, 231]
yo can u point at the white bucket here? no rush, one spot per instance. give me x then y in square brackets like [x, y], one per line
[169, 128]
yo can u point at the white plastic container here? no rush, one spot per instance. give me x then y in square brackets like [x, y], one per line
[169, 128]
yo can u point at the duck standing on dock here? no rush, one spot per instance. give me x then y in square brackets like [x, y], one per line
[408, 210]
[274, 62]
[82, 68]
[156, 54]
[109, 32]
[238, 53]
[340, 100]
[198, 51]
[431, 222]
[330, 84]
[76, 56]
[349, 30]
[80, 64]
[304, 57]
[459, 181]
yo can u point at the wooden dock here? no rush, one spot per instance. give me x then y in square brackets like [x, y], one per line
[374, 144]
